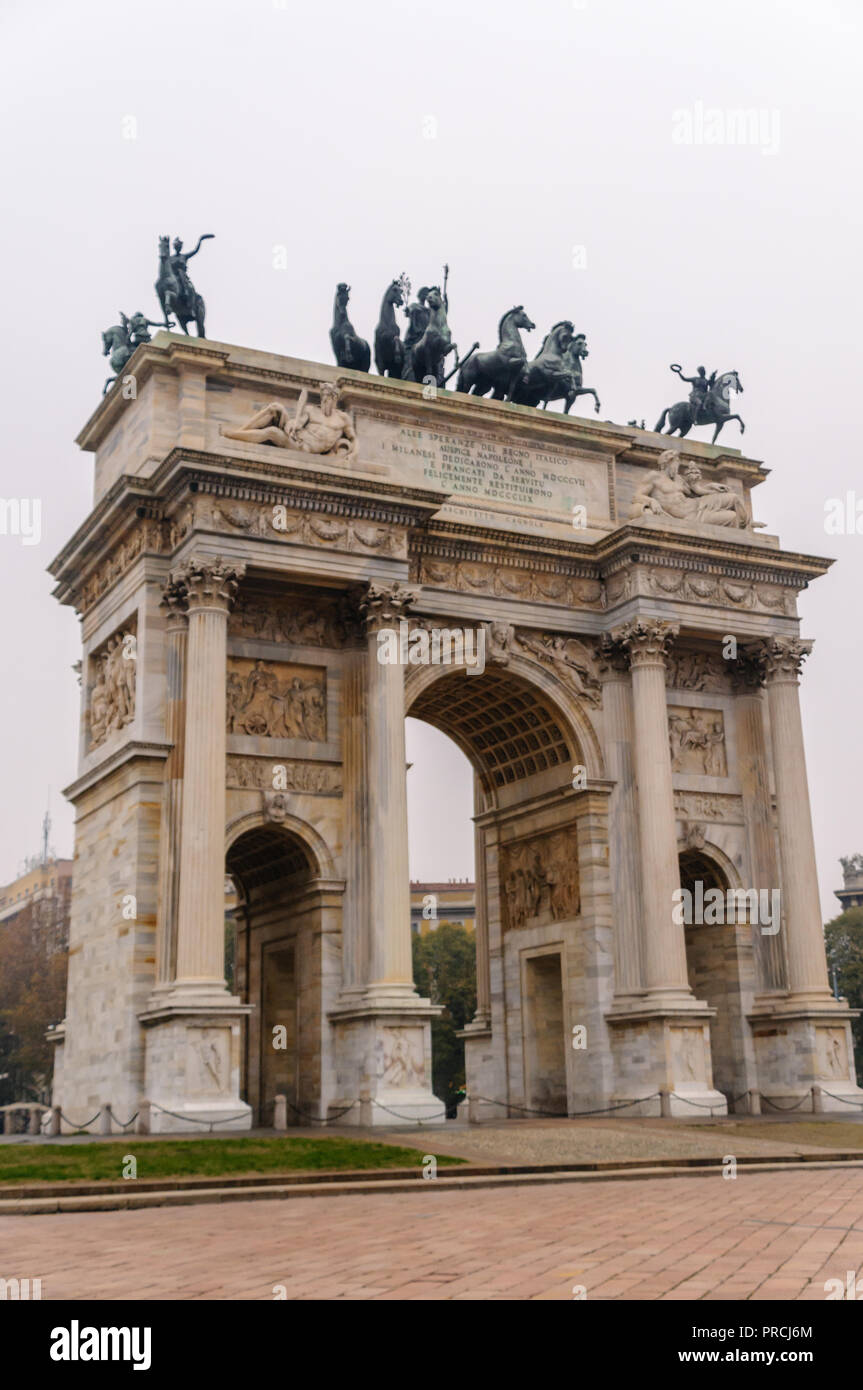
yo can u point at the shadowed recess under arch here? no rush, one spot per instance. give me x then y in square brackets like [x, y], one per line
[504, 725]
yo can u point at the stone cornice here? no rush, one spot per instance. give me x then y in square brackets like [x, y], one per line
[133, 751]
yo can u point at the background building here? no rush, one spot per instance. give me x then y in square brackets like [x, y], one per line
[455, 902]
[45, 883]
[851, 893]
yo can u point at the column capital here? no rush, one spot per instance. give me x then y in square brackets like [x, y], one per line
[777, 659]
[641, 642]
[383, 605]
[174, 601]
[204, 581]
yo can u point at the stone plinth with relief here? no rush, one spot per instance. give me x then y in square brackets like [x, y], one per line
[259, 523]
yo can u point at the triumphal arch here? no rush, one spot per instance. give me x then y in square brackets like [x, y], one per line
[283, 560]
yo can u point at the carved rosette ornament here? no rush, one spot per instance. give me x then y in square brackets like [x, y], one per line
[645, 641]
[205, 582]
[779, 659]
[385, 605]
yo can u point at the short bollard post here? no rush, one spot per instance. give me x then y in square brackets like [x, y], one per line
[104, 1119]
[365, 1110]
[35, 1125]
[754, 1097]
[54, 1122]
[142, 1122]
[472, 1111]
[280, 1112]
[665, 1104]
[817, 1101]
[8, 1122]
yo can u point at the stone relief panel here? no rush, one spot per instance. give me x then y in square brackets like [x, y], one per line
[291, 620]
[832, 1052]
[111, 701]
[268, 775]
[687, 1054]
[274, 699]
[539, 879]
[697, 739]
[399, 1057]
[208, 1061]
[692, 670]
[574, 660]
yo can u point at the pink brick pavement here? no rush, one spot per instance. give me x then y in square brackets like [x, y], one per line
[767, 1235]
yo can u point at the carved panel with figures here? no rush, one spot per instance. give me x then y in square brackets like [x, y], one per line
[276, 699]
[697, 739]
[539, 879]
[113, 667]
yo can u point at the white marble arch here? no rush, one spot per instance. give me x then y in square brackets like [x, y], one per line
[572, 712]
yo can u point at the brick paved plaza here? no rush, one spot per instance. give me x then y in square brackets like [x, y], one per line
[776, 1235]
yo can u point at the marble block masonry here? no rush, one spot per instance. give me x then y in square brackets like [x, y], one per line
[257, 523]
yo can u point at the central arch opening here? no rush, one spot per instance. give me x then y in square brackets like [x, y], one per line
[516, 750]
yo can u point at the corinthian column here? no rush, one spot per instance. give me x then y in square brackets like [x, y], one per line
[781, 659]
[174, 603]
[209, 587]
[664, 944]
[390, 967]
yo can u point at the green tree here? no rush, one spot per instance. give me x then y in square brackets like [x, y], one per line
[844, 940]
[32, 996]
[444, 964]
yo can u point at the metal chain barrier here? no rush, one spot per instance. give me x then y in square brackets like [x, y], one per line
[786, 1108]
[858, 1105]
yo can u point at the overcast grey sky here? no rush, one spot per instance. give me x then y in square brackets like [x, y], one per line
[378, 137]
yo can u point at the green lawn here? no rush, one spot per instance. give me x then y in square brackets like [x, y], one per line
[201, 1158]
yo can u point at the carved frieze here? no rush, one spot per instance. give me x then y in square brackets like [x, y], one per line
[539, 880]
[112, 692]
[290, 620]
[693, 587]
[505, 581]
[702, 806]
[267, 775]
[276, 699]
[697, 739]
[280, 522]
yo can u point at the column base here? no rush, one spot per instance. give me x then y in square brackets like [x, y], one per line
[383, 1060]
[192, 1067]
[799, 1045]
[666, 1050]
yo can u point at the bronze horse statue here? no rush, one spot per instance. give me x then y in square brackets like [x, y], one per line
[543, 378]
[713, 411]
[498, 371]
[389, 348]
[570, 390]
[175, 291]
[118, 342]
[428, 357]
[350, 350]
